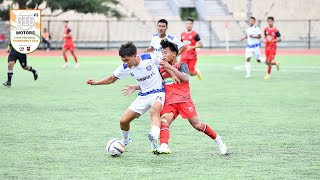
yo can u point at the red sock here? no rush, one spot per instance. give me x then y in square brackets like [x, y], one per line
[164, 134]
[274, 63]
[65, 58]
[208, 131]
[269, 69]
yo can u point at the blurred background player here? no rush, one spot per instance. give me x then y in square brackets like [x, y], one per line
[272, 36]
[144, 70]
[253, 35]
[192, 41]
[46, 39]
[12, 58]
[68, 45]
[155, 46]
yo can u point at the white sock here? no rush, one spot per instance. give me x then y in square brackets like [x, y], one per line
[164, 145]
[125, 135]
[155, 130]
[248, 68]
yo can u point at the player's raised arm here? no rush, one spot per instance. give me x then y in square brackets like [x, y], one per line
[104, 81]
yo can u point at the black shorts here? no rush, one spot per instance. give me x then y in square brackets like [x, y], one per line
[14, 56]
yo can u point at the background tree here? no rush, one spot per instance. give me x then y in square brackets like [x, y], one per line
[81, 6]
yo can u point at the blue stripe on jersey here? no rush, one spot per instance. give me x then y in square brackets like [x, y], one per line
[145, 56]
[125, 66]
[153, 91]
[254, 45]
[156, 34]
[170, 37]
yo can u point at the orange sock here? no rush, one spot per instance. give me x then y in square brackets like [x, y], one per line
[208, 131]
[164, 134]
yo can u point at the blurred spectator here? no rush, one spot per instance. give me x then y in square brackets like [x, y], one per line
[46, 39]
[2, 38]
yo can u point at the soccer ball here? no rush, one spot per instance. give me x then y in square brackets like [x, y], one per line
[115, 147]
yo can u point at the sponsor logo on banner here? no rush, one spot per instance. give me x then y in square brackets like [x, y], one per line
[25, 30]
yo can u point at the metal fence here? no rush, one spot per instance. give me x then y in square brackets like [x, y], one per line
[214, 34]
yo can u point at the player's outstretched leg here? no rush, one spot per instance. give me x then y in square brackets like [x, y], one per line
[166, 120]
[34, 71]
[75, 59]
[125, 120]
[276, 64]
[64, 53]
[10, 73]
[154, 133]
[269, 63]
[194, 121]
[248, 68]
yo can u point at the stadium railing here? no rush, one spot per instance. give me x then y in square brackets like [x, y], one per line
[214, 34]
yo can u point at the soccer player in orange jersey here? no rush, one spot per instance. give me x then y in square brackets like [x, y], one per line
[192, 41]
[68, 45]
[272, 36]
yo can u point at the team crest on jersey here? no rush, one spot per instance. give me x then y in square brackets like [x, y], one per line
[191, 109]
[25, 30]
[149, 68]
[190, 37]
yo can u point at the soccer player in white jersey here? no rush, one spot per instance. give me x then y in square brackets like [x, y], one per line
[253, 35]
[155, 45]
[143, 68]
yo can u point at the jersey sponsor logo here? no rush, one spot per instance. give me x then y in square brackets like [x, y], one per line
[147, 77]
[25, 27]
[149, 68]
[168, 81]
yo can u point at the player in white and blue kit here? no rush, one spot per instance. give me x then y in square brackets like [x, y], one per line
[143, 68]
[155, 45]
[253, 35]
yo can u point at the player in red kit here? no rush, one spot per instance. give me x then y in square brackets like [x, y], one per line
[178, 99]
[68, 45]
[192, 41]
[272, 36]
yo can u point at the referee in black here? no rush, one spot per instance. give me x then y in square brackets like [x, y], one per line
[12, 58]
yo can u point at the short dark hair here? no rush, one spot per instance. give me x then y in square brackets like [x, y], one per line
[252, 18]
[173, 47]
[271, 18]
[65, 21]
[163, 21]
[190, 19]
[127, 49]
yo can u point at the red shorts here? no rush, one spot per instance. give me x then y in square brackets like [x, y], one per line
[186, 109]
[191, 63]
[270, 53]
[68, 46]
